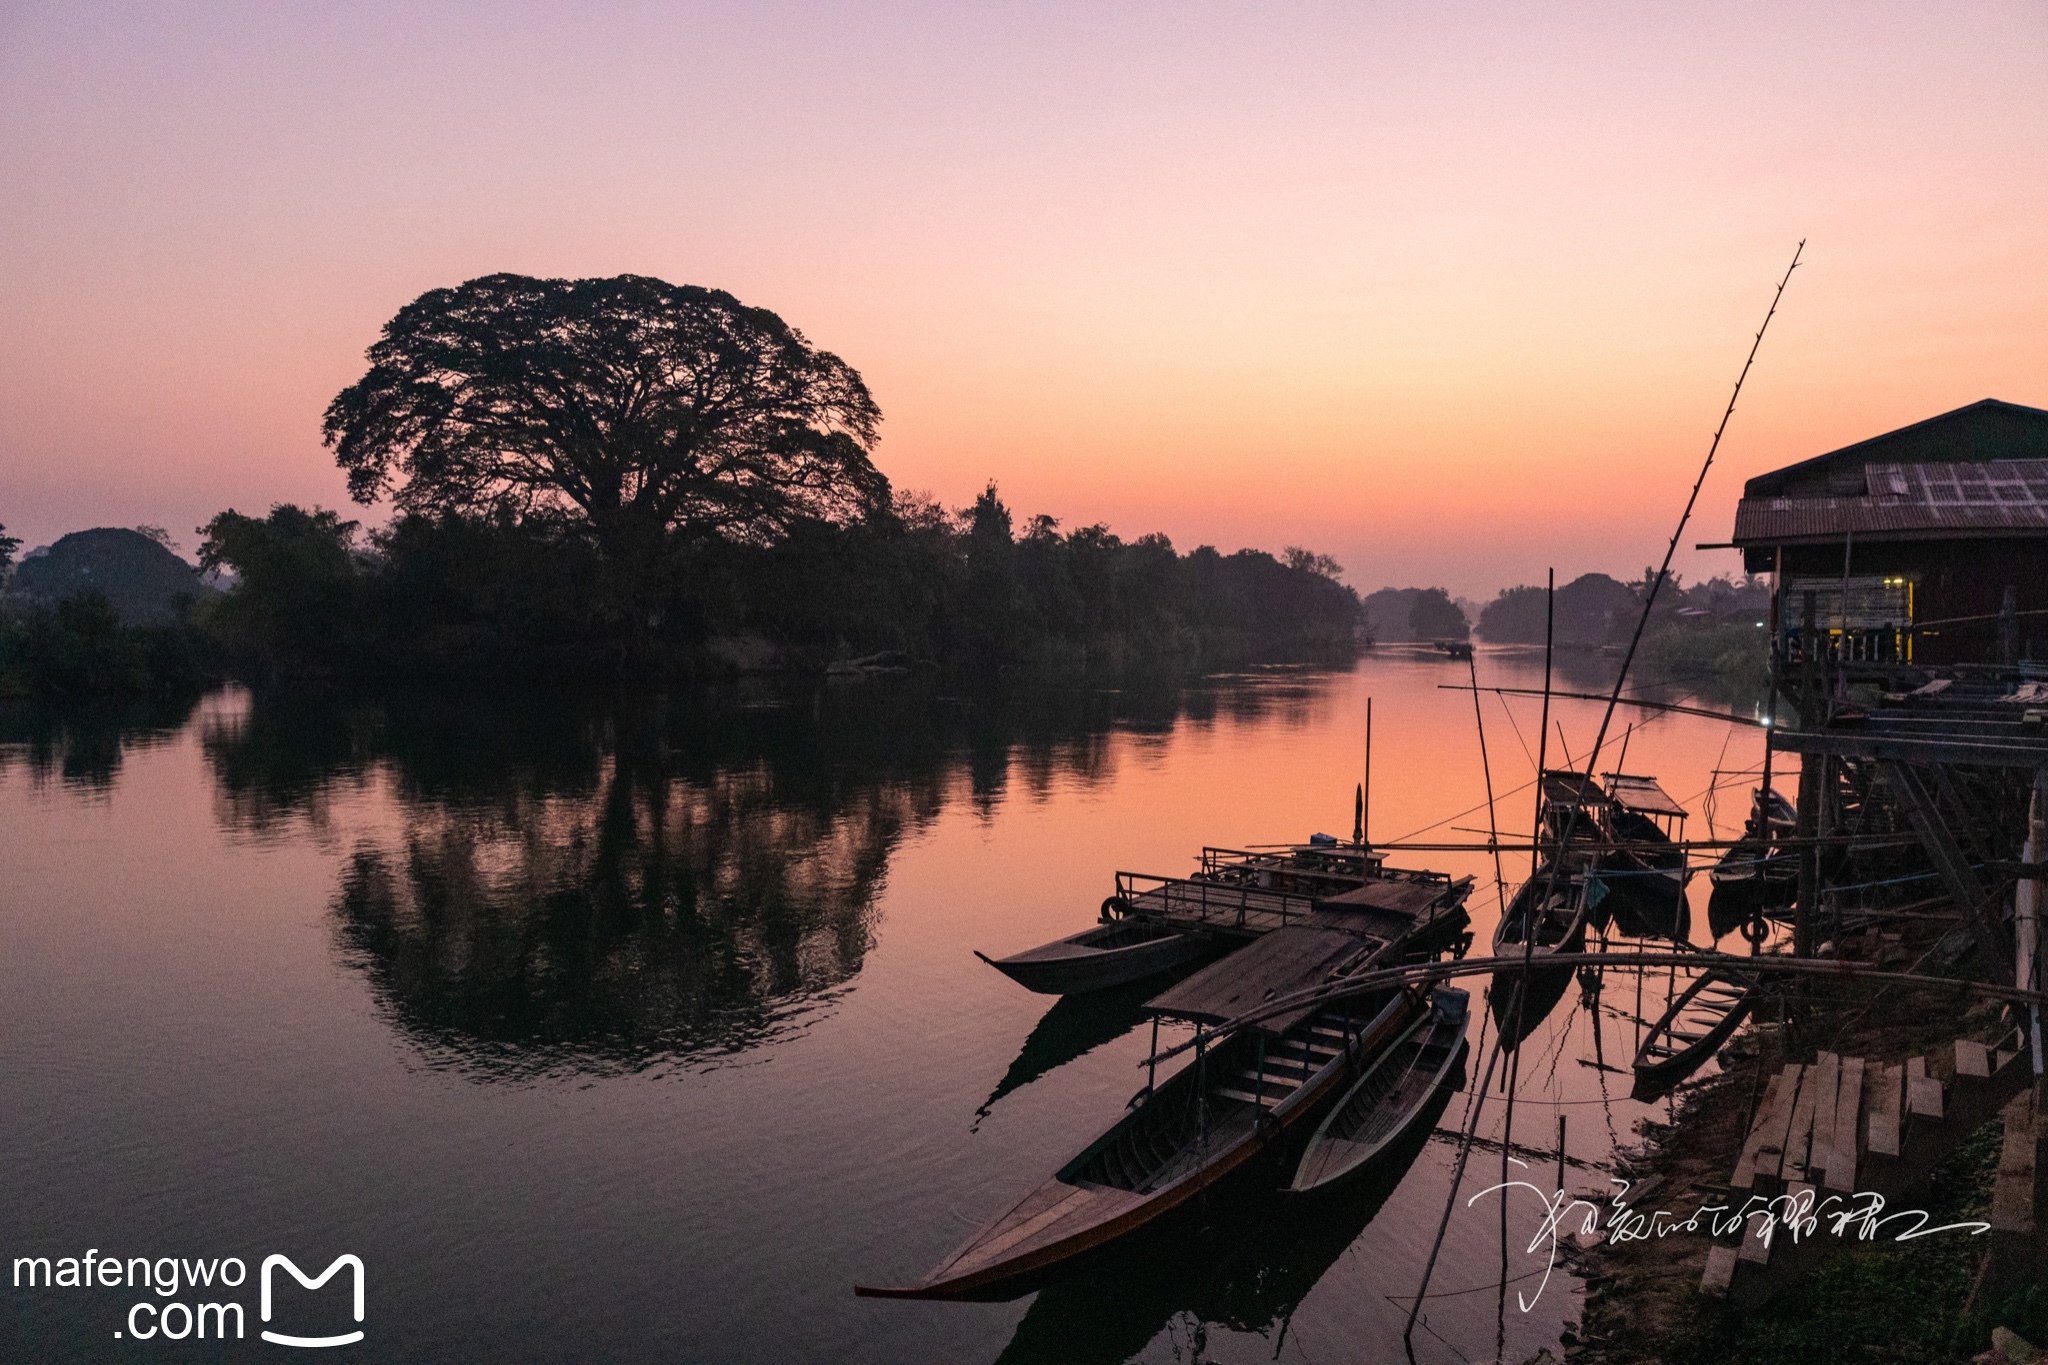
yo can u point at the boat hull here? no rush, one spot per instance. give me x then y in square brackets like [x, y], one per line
[1074, 1213]
[1085, 962]
[1656, 1072]
[1522, 998]
[1433, 1047]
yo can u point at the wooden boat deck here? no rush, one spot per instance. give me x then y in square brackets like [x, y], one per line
[1200, 904]
[1239, 909]
[1291, 958]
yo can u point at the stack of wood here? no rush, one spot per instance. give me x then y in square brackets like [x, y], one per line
[1816, 1126]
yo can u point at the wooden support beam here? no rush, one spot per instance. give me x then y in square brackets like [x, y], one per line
[1951, 864]
[1839, 1172]
[1885, 1108]
[2012, 1193]
[1720, 1274]
[1799, 1134]
[1772, 1113]
[1923, 1092]
[1756, 1240]
[1825, 1089]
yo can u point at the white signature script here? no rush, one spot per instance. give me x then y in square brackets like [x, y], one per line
[1802, 1214]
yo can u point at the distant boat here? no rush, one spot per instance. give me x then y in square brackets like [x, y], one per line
[1456, 649]
[1192, 1131]
[1647, 872]
[1392, 1093]
[1753, 877]
[1551, 908]
[1111, 954]
[1692, 1029]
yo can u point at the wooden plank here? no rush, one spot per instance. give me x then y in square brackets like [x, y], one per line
[1821, 1145]
[1840, 1170]
[1756, 1249]
[1923, 1097]
[1799, 1133]
[1406, 899]
[1720, 1271]
[2012, 1193]
[1972, 1058]
[1276, 964]
[1766, 1130]
[1886, 1109]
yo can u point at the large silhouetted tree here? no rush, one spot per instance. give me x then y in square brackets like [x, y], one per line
[640, 411]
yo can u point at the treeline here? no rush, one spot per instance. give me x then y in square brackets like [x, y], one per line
[309, 595]
[1709, 633]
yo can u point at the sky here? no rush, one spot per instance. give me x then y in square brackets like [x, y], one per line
[1454, 293]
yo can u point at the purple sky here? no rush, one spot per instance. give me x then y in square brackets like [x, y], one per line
[1451, 292]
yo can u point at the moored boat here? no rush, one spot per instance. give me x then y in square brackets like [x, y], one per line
[1388, 1097]
[1547, 916]
[1692, 1029]
[1107, 955]
[1754, 877]
[1180, 1138]
[1645, 872]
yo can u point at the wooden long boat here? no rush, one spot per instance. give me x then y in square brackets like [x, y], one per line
[1547, 916]
[1692, 1029]
[1754, 877]
[1107, 955]
[1645, 880]
[1388, 1097]
[1198, 1127]
[1646, 871]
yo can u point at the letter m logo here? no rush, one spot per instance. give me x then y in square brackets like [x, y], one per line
[354, 1263]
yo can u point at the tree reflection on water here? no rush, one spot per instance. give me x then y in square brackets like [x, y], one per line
[606, 883]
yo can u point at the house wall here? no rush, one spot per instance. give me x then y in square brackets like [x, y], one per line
[1951, 578]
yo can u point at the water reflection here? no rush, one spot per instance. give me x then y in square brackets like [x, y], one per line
[601, 883]
[1243, 1262]
[1074, 1027]
[83, 744]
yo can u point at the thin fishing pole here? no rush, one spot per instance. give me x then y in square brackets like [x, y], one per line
[1664, 570]
[1543, 726]
[1500, 881]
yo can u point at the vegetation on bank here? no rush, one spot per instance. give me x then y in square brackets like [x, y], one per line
[625, 478]
[310, 595]
[456, 596]
[1708, 635]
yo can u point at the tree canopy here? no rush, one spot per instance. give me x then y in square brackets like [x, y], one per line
[637, 409]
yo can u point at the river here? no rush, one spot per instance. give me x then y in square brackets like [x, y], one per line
[643, 1029]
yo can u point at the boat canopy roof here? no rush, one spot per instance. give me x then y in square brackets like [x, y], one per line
[1562, 788]
[1642, 794]
[1279, 963]
[1406, 899]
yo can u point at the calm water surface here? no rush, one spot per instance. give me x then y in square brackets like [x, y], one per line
[642, 1030]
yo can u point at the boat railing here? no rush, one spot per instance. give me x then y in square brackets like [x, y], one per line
[1218, 862]
[1207, 901]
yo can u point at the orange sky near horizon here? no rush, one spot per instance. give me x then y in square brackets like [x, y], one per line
[1453, 295]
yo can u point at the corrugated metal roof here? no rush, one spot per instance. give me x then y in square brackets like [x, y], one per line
[1985, 430]
[1941, 499]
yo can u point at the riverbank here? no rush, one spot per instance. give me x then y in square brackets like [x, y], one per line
[1883, 1300]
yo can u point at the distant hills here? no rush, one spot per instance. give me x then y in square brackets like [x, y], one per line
[1590, 611]
[145, 582]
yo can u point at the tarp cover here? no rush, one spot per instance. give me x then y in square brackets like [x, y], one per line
[1642, 794]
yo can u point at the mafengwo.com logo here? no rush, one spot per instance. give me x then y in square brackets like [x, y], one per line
[188, 1300]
